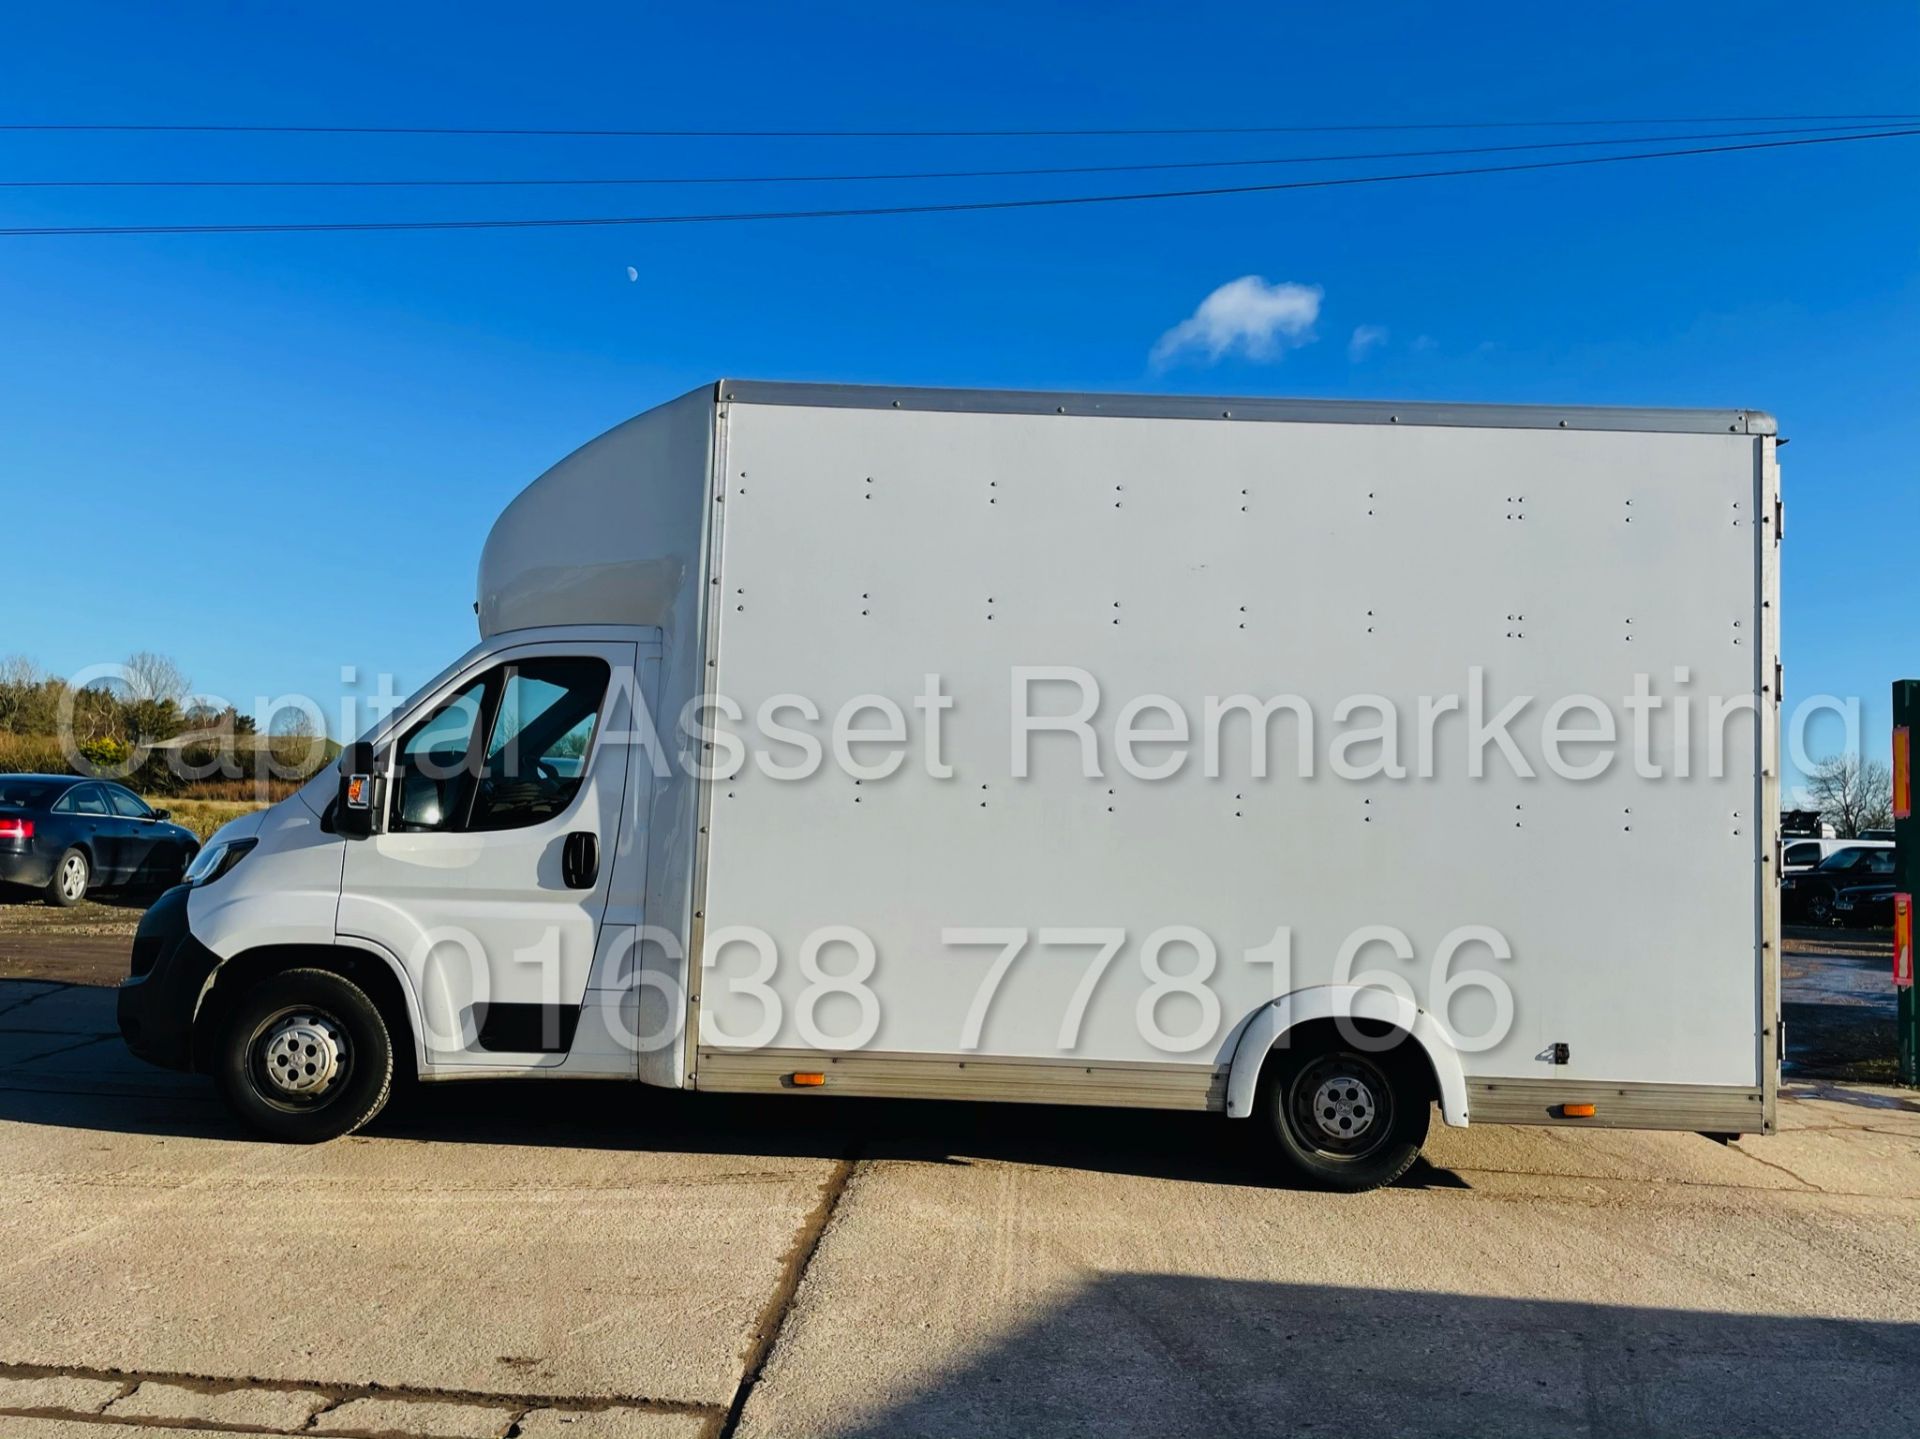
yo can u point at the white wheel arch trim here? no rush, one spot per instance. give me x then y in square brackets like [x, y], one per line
[359, 946]
[1344, 1001]
[415, 1027]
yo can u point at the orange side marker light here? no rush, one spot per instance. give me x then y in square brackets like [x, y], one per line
[1578, 1111]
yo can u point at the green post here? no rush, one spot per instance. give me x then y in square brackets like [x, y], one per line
[1906, 840]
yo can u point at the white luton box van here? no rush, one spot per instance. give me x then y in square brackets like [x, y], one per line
[1316, 763]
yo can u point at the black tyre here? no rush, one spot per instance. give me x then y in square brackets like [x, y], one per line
[305, 1057]
[1820, 907]
[72, 874]
[1345, 1117]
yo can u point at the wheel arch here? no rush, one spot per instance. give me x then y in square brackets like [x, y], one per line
[1270, 1025]
[373, 970]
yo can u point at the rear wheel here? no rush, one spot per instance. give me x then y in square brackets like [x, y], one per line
[305, 1057]
[1347, 1117]
[1820, 907]
[71, 876]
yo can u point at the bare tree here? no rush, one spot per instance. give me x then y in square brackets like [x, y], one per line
[1851, 794]
[156, 678]
[20, 685]
[293, 723]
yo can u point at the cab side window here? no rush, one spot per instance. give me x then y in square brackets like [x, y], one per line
[437, 762]
[541, 736]
[509, 750]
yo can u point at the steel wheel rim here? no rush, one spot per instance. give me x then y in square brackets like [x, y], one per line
[1341, 1105]
[299, 1058]
[73, 877]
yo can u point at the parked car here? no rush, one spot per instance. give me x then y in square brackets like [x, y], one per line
[1804, 823]
[1862, 906]
[1885, 834]
[1809, 895]
[1800, 855]
[65, 836]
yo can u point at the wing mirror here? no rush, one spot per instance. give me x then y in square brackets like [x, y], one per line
[356, 813]
[161, 814]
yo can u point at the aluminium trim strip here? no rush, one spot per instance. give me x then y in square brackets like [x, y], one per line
[1696, 1107]
[708, 623]
[1133, 1085]
[1767, 557]
[1705, 1108]
[1199, 407]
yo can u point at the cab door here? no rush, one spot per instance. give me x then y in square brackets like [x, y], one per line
[490, 878]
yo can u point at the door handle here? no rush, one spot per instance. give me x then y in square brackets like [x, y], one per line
[580, 859]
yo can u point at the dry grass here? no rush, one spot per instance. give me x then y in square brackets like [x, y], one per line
[30, 754]
[202, 816]
[252, 792]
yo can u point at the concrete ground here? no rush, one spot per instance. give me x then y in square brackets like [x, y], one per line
[587, 1260]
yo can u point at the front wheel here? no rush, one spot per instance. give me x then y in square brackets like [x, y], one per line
[1820, 908]
[306, 1057]
[1346, 1117]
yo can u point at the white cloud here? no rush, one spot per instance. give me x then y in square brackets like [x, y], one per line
[1366, 339]
[1423, 343]
[632, 274]
[1246, 315]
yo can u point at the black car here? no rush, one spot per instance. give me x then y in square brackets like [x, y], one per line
[64, 836]
[1809, 895]
[1865, 906]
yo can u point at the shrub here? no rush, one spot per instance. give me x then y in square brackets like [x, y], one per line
[106, 756]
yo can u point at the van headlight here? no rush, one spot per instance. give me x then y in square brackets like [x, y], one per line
[216, 859]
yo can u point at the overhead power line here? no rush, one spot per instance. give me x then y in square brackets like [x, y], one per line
[865, 211]
[908, 134]
[834, 179]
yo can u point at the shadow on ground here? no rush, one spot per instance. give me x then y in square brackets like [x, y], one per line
[1173, 1355]
[62, 1063]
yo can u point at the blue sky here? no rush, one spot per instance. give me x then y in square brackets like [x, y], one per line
[269, 456]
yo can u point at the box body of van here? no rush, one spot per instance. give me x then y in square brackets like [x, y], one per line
[1085, 749]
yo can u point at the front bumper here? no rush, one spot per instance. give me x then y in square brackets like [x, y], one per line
[158, 1001]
